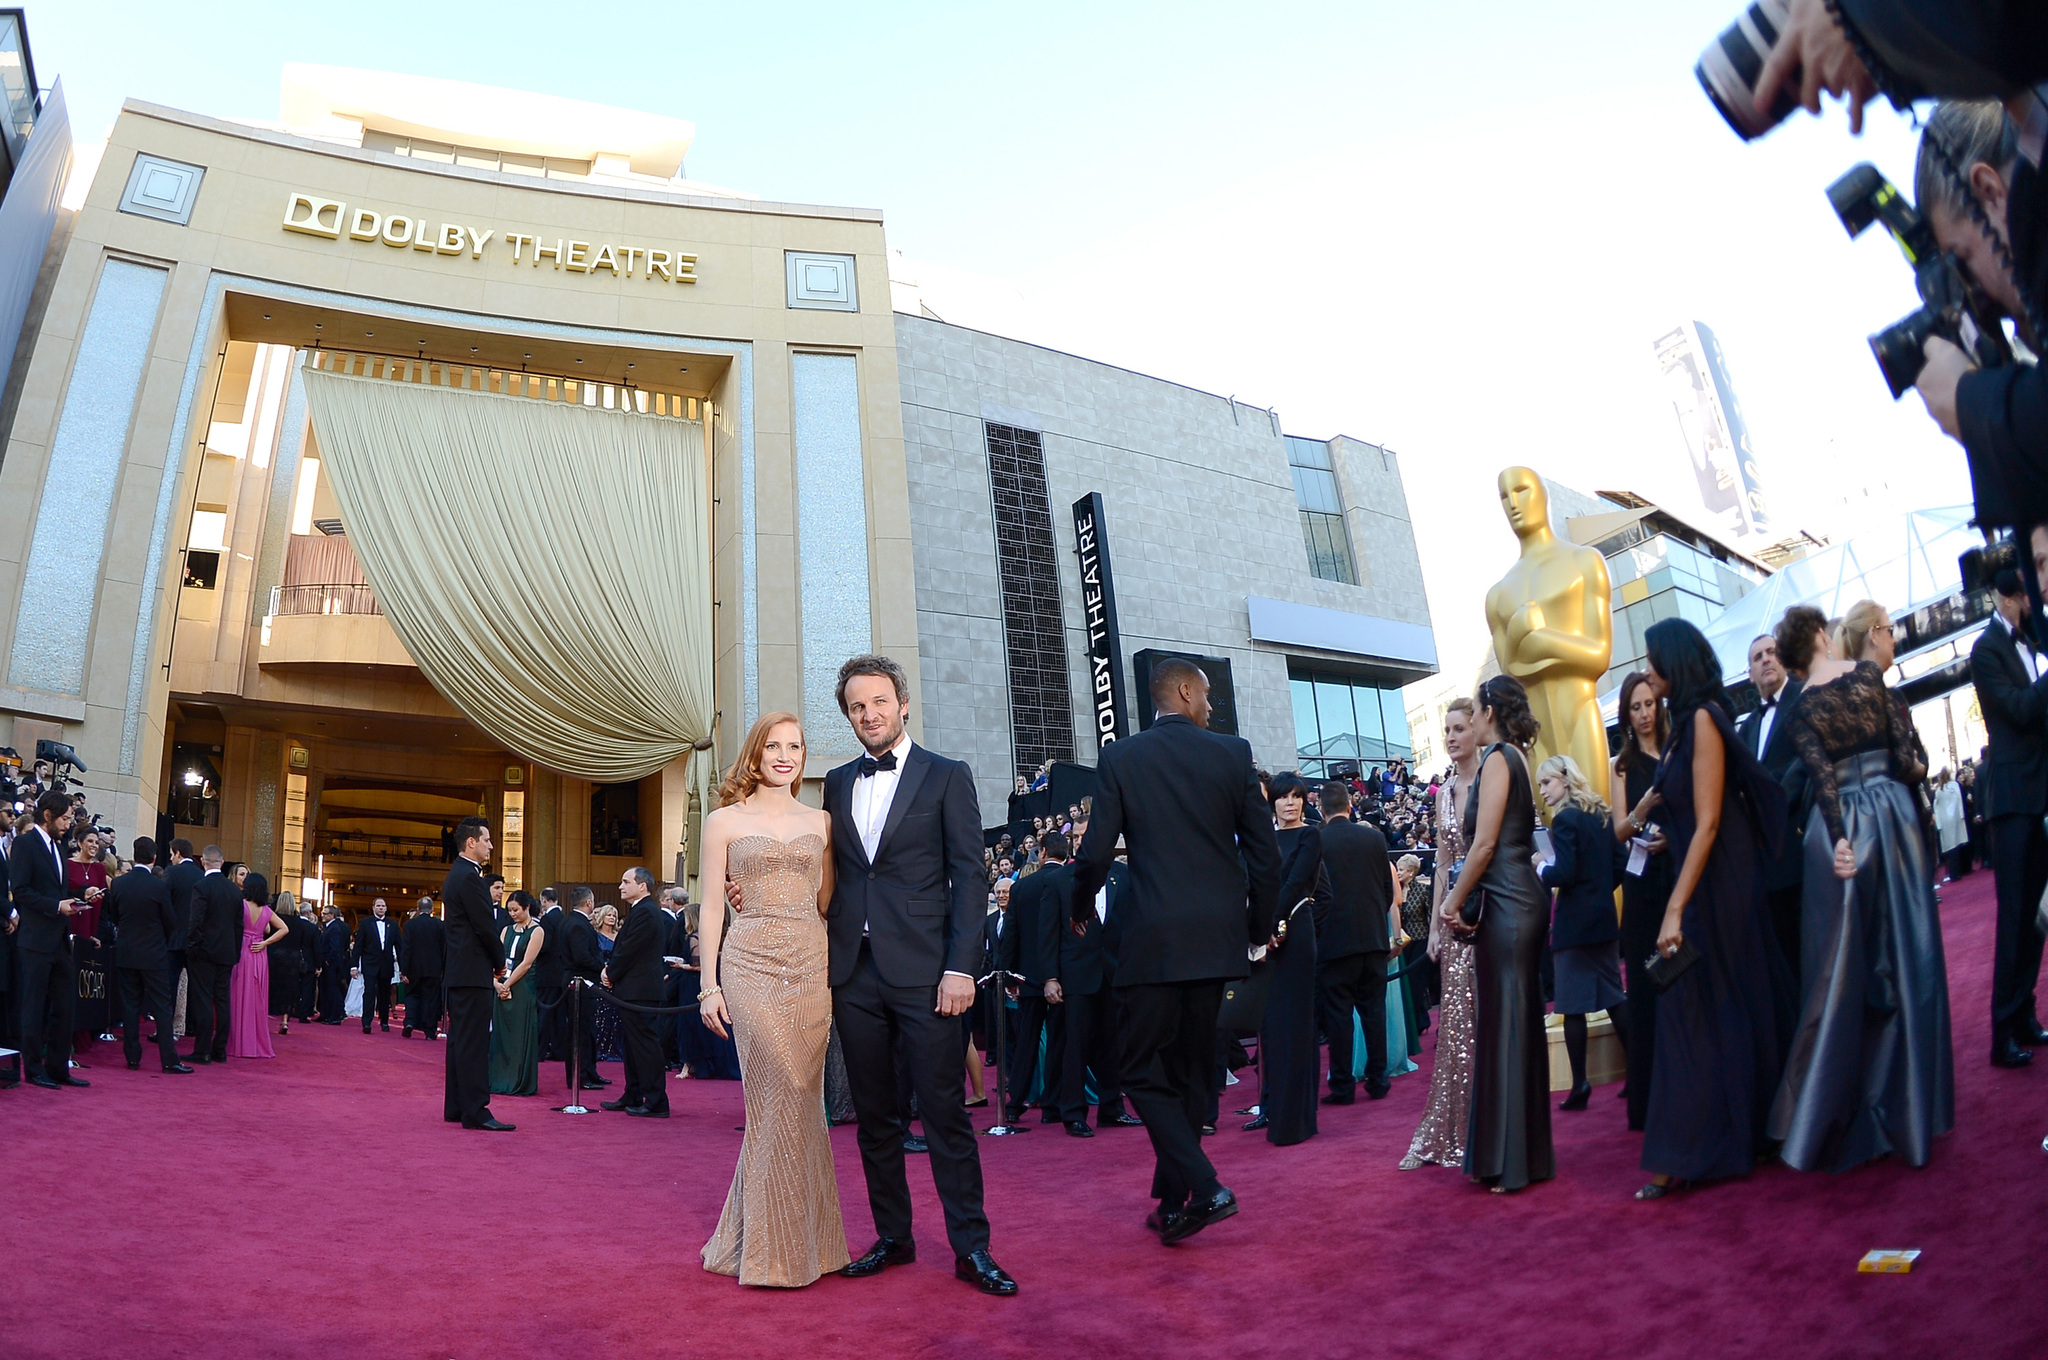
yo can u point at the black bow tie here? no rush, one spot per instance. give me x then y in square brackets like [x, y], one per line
[1770, 703]
[868, 764]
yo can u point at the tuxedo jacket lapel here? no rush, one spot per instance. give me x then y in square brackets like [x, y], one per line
[915, 763]
[842, 812]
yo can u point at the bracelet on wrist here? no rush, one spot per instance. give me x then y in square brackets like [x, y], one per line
[709, 991]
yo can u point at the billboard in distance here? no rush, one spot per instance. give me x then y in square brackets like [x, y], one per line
[1716, 438]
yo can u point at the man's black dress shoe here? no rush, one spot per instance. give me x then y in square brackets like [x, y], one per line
[2009, 1054]
[1049, 1117]
[886, 1252]
[366, 1029]
[1254, 1125]
[135, 1066]
[1198, 1215]
[1334, 1099]
[387, 1027]
[70, 1080]
[1126, 1121]
[405, 1033]
[596, 1083]
[2032, 1035]
[491, 1125]
[42, 1080]
[649, 1112]
[1377, 1091]
[178, 1068]
[913, 1143]
[981, 1271]
[1078, 1128]
[619, 1104]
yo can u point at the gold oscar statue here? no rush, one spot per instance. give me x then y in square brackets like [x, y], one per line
[1549, 619]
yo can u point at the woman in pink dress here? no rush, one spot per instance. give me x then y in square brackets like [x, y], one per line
[86, 877]
[249, 987]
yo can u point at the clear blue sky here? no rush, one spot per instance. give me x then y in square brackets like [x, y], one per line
[1454, 228]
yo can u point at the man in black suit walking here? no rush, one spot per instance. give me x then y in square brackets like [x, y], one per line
[1037, 912]
[10, 922]
[138, 905]
[476, 959]
[2011, 675]
[181, 878]
[333, 966]
[48, 980]
[1353, 941]
[423, 958]
[583, 961]
[637, 973]
[375, 961]
[216, 938]
[1767, 733]
[550, 975]
[1082, 938]
[1205, 878]
[905, 922]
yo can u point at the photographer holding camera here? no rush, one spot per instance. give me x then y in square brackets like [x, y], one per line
[49, 985]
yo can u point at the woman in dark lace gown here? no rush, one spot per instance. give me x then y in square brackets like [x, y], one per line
[1287, 1037]
[1643, 895]
[1871, 1069]
[1507, 1142]
[1722, 1024]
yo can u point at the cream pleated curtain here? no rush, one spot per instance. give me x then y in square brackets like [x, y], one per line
[547, 565]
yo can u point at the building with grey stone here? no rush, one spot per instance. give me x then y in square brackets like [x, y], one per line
[1290, 560]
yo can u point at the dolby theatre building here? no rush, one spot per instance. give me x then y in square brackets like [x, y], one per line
[439, 450]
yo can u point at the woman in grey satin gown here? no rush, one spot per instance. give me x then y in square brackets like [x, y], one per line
[1872, 1067]
[1507, 1143]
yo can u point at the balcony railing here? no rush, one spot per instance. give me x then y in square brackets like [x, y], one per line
[330, 597]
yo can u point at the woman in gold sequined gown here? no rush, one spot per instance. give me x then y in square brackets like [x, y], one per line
[765, 979]
[1440, 1138]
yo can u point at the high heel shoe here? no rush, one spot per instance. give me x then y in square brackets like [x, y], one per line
[1581, 1094]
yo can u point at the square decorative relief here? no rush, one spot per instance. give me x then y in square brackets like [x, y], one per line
[162, 189]
[821, 283]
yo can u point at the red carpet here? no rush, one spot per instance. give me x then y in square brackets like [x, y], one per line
[316, 1205]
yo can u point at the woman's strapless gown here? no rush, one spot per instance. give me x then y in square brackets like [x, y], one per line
[781, 1224]
[249, 993]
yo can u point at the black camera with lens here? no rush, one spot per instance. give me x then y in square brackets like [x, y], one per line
[1951, 305]
[1981, 566]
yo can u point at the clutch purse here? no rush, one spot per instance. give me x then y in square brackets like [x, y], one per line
[1666, 969]
[1473, 909]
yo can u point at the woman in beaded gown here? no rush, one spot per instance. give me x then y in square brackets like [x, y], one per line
[1872, 1068]
[1440, 1137]
[766, 982]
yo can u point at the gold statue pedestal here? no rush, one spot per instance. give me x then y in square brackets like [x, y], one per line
[1606, 1059]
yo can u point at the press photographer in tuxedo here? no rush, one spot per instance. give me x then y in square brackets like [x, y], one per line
[48, 986]
[138, 906]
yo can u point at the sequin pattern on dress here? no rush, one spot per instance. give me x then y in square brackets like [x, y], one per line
[1440, 1137]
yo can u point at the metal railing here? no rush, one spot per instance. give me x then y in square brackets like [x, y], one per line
[337, 597]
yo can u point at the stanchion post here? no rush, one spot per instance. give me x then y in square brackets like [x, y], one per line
[575, 1105]
[997, 1036]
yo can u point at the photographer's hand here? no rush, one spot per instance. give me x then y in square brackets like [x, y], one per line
[1815, 46]
[1946, 365]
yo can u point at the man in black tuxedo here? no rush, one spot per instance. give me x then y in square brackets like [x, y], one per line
[1353, 941]
[48, 986]
[637, 973]
[333, 965]
[375, 960]
[550, 975]
[215, 941]
[181, 878]
[583, 961]
[905, 923]
[496, 883]
[10, 922]
[675, 945]
[138, 904]
[475, 960]
[2011, 675]
[1767, 733]
[423, 958]
[997, 1028]
[1205, 878]
[1083, 938]
[1037, 911]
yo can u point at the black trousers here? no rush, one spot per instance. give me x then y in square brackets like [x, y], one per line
[873, 1018]
[2019, 861]
[1356, 982]
[48, 992]
[377, 997]
[646, 1079]
[147, 989]
[466, 1094]
[1034, 1016]
[333, 992]
[302, 1008]
[554, 1020]
[422, 1005]
[665, 1025]
[1091, 1049]
[1169, 1061]
[584, 1042]
[206, 998]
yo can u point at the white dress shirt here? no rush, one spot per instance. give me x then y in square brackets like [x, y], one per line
[872, 795]
[1766, 717]
[2036, 664]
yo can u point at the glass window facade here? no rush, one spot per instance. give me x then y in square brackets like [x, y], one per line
[1656, 577]
[1322, 511]
[1342, 721]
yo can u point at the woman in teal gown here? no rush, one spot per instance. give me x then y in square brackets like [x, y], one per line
[515, 1018]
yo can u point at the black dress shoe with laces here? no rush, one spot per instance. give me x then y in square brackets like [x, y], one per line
[1078, 1128]
[2010, 1054]
[40, 1079]
[981, 1271]
[886, 1252]
[178, 1069]
[1255, 1124]
[1198, 1215]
